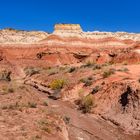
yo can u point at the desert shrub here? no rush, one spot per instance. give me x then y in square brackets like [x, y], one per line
[72, 69]
[86, 103]
[52, 71]
[62, 68]
[66, 119]
[96, 66]
[125, 63]
[10, 106]
[29, 71]
[40, 55]
[7, 89]
[10, 29]
[89, 64]
[87, 81]
[44, 125]
[46, 129]
[22, 87]
[80, 92]
[45, 103]
[95, 89]
[90, 78]
[57, 84]
[32, 104]
[37, 137]
[106, 64]
[123, 69]
[107, 73]
[5, 75]
[10, 90]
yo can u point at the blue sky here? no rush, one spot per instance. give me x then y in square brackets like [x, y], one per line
[103, 15]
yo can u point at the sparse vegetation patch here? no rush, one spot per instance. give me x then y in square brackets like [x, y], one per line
[72, 69]
[57, 84]
[29, 71]
[95, 89]
[86, 103]
[107, 73]
[87, 81]
[7, 89]
[5, 75]
[32, 104]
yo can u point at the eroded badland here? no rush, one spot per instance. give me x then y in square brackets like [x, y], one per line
[69, 85]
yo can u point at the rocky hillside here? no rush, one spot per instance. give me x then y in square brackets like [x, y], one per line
[12, 36]
[72, 32]
[69, 85]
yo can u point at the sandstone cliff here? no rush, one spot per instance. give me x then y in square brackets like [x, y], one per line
[74, 30]
[68, 28]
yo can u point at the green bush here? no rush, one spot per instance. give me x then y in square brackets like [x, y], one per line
[57, 84]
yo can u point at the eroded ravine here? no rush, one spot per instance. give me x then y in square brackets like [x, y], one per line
[84, 126]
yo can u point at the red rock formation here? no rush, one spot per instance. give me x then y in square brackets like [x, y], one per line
[117, 100]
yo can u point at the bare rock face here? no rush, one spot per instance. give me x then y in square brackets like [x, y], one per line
[67, 28]
[120, 105]
[71, 32]
[75, 30]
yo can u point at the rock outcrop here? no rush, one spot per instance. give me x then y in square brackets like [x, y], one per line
[72, 32]
[12, 36]
[75, 28]
[103, 65]
[120, 104]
